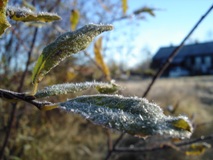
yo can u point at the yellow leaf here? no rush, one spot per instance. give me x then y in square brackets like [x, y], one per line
[99, 58]
[197, 149]
[74, 19]
[181, 124]
[4, 24]
[124, 6]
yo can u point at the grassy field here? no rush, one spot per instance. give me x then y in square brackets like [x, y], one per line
[59, 135]
[191, 96]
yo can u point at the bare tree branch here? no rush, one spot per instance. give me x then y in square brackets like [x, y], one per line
[161, 147]
[16, 96]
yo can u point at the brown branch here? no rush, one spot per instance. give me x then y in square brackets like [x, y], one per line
[13, 112]
[16, 96]
[20, 39]
[114, 146]
[55, 4]
[183, 143]
[28, 59]
[93, 61]
[159, 73]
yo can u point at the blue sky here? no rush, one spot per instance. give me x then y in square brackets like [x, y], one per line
[170, 25]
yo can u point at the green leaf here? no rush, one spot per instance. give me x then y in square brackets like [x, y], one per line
[61, 89]
[64, 46]
[197, 149]
[27, 15]
[132, 115]
[74, 19]
[4, 24]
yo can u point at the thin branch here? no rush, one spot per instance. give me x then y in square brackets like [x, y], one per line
[159, 73]
[16, 96]
[183, 143]
[28, 59]
[109, 140]
[91, 59]
[13, 112]
[55, 4]
[114, 146]
[20, 40]
[204, 123]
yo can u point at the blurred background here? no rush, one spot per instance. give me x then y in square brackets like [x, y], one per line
[145, 32]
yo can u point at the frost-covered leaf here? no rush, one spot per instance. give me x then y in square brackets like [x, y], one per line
[197, 149]
[99, 58]
[61, 89]
[133, 115]
[27, 15]
[63, 47]
[74, 19]
[4, 24]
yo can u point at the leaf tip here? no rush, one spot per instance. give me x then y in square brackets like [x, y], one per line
[182, 123]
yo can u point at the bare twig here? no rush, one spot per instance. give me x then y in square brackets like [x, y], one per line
[55, 4]
[91, 59]
[13, 111]
[16, 96]
[20, 40]
[159, 73]
[28, 59]
[160, 147]
[114, 146]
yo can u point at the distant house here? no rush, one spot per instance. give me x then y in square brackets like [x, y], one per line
[193, 59]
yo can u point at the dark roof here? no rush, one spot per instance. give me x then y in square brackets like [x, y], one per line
[186, 50]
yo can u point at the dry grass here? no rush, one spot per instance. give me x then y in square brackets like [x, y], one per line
[191, 96]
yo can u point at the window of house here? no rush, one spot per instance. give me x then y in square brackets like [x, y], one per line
[188, 62]
[198, 61]
[207, 61]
